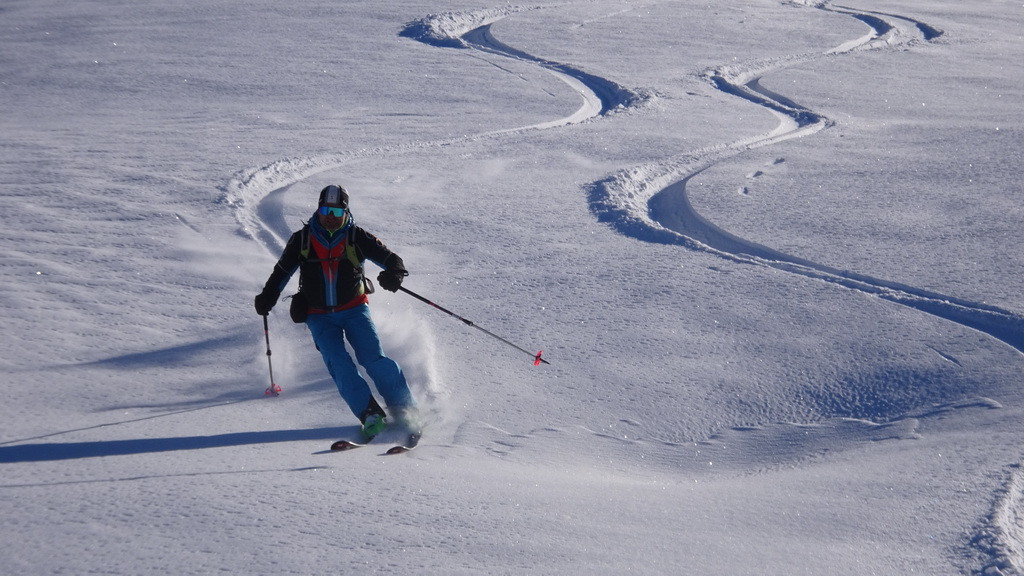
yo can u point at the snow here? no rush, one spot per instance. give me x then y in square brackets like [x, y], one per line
[770, 249]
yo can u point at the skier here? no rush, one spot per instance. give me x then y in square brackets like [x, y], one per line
[329, 252]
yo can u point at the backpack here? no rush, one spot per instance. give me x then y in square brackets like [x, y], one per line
[299, 305]
[350, 250]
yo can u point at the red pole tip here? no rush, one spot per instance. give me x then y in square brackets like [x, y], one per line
[536, 361]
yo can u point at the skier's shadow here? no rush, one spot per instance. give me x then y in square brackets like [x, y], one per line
[52, 451]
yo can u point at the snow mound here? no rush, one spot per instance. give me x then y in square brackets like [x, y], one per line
[446, 29]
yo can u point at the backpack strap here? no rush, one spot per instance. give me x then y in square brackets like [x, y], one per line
[351, 251]
[304, 249]
[356, 257]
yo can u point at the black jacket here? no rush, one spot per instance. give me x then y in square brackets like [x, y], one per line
[330, 265]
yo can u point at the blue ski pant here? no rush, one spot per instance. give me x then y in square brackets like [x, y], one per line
[355, 325]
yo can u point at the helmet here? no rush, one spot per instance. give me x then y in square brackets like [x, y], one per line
[334, 195]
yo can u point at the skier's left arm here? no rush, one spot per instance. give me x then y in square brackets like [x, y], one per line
[373, 249]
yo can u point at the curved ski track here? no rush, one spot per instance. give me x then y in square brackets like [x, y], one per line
[254, 194]
[650, 202]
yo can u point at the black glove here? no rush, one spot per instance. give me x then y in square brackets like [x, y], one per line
[265, 301]
[391, 280]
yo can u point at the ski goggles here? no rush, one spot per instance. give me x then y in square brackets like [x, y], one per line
[335, 211]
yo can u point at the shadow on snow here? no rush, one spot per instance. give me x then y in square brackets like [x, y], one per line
[48, 452]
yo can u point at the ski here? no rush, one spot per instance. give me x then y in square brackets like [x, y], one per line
[411, 442]
[342, 445]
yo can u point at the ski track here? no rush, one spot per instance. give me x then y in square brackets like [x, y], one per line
[601, 96]
[1002, 539]
[254, 195]
[650, 203]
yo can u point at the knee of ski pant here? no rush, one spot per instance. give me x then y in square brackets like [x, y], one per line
[382, 367]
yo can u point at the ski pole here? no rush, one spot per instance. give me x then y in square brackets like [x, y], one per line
[536, 357]
[274, 389]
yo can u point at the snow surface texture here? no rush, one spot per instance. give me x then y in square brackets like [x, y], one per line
[771, 250]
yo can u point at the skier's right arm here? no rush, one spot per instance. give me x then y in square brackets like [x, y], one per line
[283, 271]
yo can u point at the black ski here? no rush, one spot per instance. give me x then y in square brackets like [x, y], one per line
[342, 445]
[411, 442]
